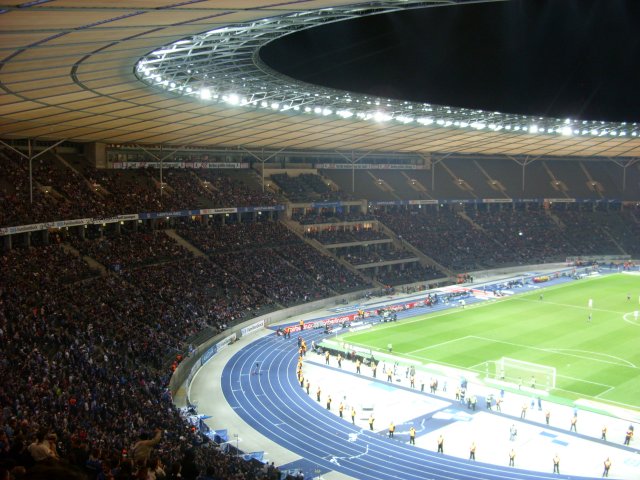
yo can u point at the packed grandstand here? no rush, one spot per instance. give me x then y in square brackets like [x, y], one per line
[96, 316]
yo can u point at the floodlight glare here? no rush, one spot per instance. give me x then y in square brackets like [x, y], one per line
[566, 131]
[381, 117]
[205, 94]
[533, 129]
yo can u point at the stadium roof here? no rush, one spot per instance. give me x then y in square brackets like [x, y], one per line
[120, 72]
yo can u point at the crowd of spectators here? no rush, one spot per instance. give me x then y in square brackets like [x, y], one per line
[129, 191]
[532, 235]
[265, 271]
[365, 256]
[322, 268]
[322, 216]
[59, 193]
[478, 239]
[277, 263]
[202, 291]
[338, 235]
[237, 191]
[306, 187]
[84, 385]
[236, 237]
[407, 273]
[587, 233]
[133, 249]
[447, 237]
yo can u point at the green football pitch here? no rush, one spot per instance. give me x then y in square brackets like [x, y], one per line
[597, 360]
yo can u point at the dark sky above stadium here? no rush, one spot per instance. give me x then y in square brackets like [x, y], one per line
[576, 59]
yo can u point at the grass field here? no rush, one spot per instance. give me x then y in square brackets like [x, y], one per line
[597, 360]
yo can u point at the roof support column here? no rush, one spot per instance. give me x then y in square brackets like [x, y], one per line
[31, 158]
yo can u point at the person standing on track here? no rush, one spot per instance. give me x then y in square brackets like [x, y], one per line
[412, 436]
[392, 429]
[340, 409]
[329, 402]
[326, 357]
[371, 420]
[318, 392]
[556, 464]
[472, 451]
[574, 422]
[353, 416]
[512, 458]
[607, 466]
[440, 444]
[307, 385]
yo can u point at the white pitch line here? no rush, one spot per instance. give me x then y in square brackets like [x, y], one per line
[436, 345]
[586, 381]
[553, 350]
[568, 305]
[561, 350]
[604, 393]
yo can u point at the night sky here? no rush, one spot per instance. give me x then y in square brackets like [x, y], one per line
[576, 59]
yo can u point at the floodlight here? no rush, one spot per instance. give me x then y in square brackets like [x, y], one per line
[381, 117]
[205, 94]
[566, 131]
[425, 120]
[533, 129]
